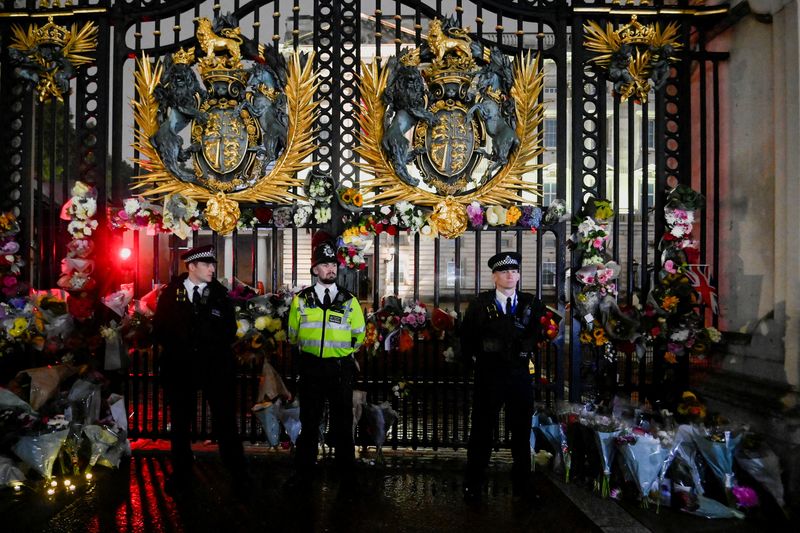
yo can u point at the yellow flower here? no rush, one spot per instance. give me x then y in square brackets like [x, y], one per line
[242, 327]
[349, 233]
[80, 189]
[19, 326]
[347, 195]
[599, 336]
[280, 336]
[274, 324]
[358, 200]
[262, 323]
[586, 337]
[603, 211]
[512, 215]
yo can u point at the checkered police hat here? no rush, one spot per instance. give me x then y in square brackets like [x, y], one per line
[505, 261]
[323, 253]
[200, 253]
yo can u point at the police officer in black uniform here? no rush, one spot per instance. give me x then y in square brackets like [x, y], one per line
[195, 325]
[500, 332]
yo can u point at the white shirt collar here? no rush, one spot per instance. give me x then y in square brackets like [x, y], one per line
[500, 297]
[190, 286]
[319, 289]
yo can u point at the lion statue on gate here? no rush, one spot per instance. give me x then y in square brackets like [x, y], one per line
[440, 43]
[210, 42]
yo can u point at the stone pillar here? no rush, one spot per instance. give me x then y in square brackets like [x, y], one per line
[759, 284]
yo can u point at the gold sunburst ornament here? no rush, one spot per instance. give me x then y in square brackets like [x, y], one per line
[634, 55]
[243, 122]
[450, 126]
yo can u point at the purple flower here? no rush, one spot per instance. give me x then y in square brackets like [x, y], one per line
[531, 217]
[475, 214]
[746, 497]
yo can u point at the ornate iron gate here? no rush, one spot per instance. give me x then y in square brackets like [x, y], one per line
[594, 146]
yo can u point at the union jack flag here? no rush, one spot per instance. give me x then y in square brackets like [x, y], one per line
[698, 275]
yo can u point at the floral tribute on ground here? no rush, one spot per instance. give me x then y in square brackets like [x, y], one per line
[693, 460]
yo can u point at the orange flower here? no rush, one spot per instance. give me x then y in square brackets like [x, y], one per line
[669, 303]
[670, 358]
[512, 215]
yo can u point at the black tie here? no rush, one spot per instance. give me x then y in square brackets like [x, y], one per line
[196, 296]
[508, 306]
[326, 302]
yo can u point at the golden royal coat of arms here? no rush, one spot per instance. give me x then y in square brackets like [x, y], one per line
[250, 127]
[449, 123]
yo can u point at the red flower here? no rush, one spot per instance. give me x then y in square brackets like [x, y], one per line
[406, 341]
[263, 214]
[391, 230]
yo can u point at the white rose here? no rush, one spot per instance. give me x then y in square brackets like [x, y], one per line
[131, 206]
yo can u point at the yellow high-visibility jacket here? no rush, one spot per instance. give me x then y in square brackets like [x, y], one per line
[334, 332]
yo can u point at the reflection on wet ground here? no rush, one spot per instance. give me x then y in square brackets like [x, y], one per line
[402, 495]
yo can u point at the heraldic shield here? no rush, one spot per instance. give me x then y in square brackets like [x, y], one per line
[251, 116]
[463, 115]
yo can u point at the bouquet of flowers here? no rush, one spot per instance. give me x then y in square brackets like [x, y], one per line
[252, 217]
[415, 316]
[531, 217]
[556, 212]
[10, 259]
[350, 198]
[261, 324]
[761, 463]
[606, 430]
[283, 217]
[351, 246]
[80, 210]
[718, 449]
[135, 214]
[319, 188]
[180, 215]
[383, 325]
[644, 457]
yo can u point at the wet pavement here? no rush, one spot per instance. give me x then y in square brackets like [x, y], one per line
[410, 492]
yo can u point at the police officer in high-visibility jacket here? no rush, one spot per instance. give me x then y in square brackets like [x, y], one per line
[327, 325]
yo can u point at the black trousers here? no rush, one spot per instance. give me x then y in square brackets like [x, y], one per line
[328, 379]
[220, 394]
[495, 386]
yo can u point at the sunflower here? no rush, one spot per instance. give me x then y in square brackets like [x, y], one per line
[357, 200]
[586, 337]
[599, 336]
